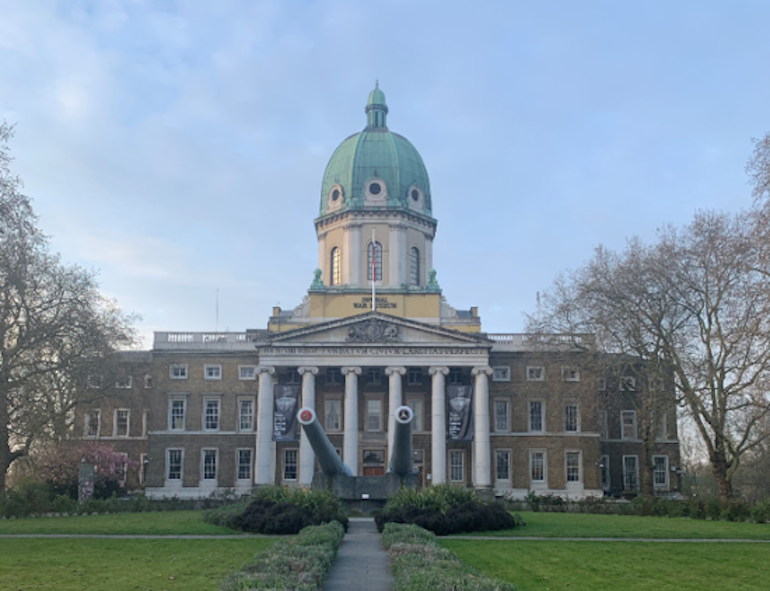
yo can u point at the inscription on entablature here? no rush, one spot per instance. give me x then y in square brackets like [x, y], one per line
[311, 350]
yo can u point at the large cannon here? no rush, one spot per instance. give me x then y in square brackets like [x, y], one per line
[328, 459]
[401, 458]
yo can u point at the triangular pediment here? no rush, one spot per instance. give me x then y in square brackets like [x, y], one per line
[376, 328]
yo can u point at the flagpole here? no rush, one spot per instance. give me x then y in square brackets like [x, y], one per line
[374, 275]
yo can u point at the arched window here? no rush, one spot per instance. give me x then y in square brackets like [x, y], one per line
[414, 267]
[374, 255]
[335, 267]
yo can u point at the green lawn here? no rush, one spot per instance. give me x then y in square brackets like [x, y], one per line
[156, 523]
[581, 525]
[627, 566]
[122, 565]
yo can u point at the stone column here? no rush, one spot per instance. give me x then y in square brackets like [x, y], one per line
[395, 254]
[482, 461]
[394, 401]
[263, 474]
[306, 454]
[438, 425]
[350, 432]
[323, 262]
[354, 254]
[428, 261]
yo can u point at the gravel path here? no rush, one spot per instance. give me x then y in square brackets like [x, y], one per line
[361, 562]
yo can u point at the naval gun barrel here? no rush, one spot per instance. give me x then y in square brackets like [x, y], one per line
[402, 460]
[328, 459]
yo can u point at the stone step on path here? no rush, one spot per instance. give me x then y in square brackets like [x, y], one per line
[361, 563]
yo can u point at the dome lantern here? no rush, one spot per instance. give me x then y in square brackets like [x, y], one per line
[376, 109]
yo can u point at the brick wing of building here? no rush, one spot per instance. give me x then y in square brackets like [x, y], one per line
[205, 411]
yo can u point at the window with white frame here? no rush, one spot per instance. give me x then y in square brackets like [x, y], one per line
[502, 464]
[628, 424]
[124, 383]
[147, 381]
[630, 472]
[177, 371]
[245, 414]
[455, 376]
[456, 468]
[120, 468]
[145, 422]
[374, 257]
[605, 466]
[537, 466]
[174, 464]
[501, 373]
[570, 374]
[211, 414]
[373, 415]
[244, 464]
[418, 408]
[93, 419]
[247, 372]
[176, 413]
[603, 427]
[332, 420]
[290, 464]
[121, 422]
[627, 384]
[94, 381]
[212, 372]
[414, 267]
[374, 375]
[209, 464]
[335, 266]
[536, 416]
[571, 418]
[142, 472]
[660, 471]
[502, 422]
[572, 465]
[414, 375]
[535, 373]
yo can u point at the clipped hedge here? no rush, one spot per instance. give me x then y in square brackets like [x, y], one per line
[418, 563]
[300, 563]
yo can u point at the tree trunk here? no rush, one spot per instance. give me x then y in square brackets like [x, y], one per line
[724, 484]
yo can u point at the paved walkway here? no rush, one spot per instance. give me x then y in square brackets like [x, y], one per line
[361, 562]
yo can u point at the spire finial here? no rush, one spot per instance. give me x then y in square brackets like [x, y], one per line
[376, 83]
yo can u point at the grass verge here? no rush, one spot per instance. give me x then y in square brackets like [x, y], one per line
[582, 525]
[588, 566]
[122, 565]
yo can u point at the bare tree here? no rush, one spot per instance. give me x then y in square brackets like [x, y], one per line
[693, 308]
[55, 327]
[758, 167]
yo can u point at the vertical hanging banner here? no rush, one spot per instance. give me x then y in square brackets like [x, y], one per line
[285, 406]
[459, 402]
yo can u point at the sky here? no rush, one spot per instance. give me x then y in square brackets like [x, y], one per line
[178, 148]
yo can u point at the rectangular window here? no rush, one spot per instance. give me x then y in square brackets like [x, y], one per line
[572, 464]
[142, 470]
[212, 372]
[176, 414]
[290, 464]
[628, 384]
[209, 464]
[332, 415]
[417, 407]
[374, 375]
[502, 424]
[294, 377]
[93, 417]
[174, 464]
[603, 428]
[662, 427]
[211, 415]
[124, 383]
[570, 374]
[145, 422]
[606, 485]
[571, 418]
[245, 415]
[333, 375]
[121, 422]
[601, 384]
[247, 372]
[373, 415]
[501, 374]
[536, 416]
[660, 471]
[630, 473]
[535, 374]
[244, 464]
[414, 375]
[147, 381]
[456, 470]
[502, 464]
[177, 371]
[455, 376]
[537, 466]
[120, 468]
[628, 424]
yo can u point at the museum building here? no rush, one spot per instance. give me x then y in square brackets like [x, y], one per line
[510, 412]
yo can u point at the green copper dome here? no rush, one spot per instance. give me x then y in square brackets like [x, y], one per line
[376, 163]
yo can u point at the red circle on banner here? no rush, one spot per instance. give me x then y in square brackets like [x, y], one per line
[306, 415]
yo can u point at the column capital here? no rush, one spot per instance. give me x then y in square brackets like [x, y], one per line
[395, 370]
[354, 370]
[441, 370]
[304, 370]
[265, 369]
[482, 369]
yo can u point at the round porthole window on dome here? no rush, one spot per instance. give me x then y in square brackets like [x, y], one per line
[415, 195]
[375, 188]
[335, 194]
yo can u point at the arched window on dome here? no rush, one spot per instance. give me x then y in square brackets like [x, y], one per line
[374, 255]
[414, 266]
[335, 266]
